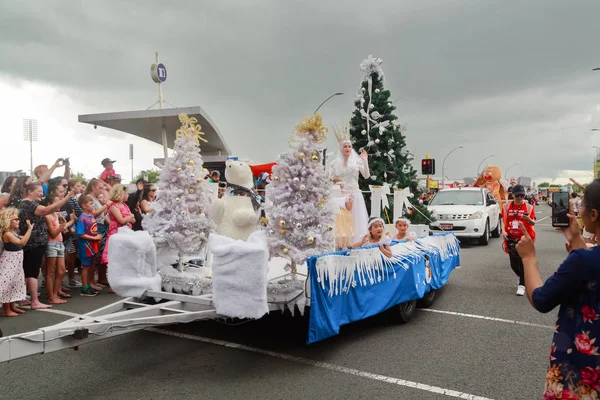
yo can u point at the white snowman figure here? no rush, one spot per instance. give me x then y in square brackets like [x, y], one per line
[238, 212]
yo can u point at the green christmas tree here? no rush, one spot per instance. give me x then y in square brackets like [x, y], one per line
[374, 127]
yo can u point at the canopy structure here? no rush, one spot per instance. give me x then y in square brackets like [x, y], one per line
[159, 126]
[259, 169]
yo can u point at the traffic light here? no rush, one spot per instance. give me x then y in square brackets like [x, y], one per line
[428, 166]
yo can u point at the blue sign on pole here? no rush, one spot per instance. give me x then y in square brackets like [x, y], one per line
[161, 72]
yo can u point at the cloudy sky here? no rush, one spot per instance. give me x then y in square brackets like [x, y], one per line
[508, 78]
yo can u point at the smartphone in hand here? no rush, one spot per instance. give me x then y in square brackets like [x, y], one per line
[560, 209]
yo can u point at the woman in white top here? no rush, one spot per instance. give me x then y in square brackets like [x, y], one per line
[347, 166]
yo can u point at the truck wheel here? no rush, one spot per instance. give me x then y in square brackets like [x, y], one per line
[496, 233]
[406, 310]
[485, 239]
[427, 300]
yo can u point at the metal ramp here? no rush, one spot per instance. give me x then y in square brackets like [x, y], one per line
[124, 316]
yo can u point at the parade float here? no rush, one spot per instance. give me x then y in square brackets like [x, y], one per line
[203, 257]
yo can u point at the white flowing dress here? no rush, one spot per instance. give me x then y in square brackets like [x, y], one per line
[349, 171]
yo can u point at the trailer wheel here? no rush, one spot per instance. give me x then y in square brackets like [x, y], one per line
[406, 310]
[427, 300]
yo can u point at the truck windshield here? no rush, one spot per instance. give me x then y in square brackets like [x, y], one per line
[457, 197]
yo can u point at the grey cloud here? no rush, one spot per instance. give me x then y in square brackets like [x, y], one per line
[488, 75]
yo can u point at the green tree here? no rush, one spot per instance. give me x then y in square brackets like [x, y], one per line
[79, 176]
[150, 175]
[544, 184]
[374, 127]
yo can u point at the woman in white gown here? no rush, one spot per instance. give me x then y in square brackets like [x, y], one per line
[347, 166]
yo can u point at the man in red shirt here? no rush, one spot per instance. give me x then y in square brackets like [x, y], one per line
[107, 163]
[514, 211]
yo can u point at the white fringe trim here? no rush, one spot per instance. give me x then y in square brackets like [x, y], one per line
[369, 266]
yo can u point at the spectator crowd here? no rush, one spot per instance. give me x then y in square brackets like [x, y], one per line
[54, 229]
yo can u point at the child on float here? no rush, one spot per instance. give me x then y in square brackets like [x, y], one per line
[376, 236]
[402, 224]
[12, 276]
[344, 223]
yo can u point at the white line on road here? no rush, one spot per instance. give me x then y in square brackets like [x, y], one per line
[60, 312]
[320, 364]
[509, 321]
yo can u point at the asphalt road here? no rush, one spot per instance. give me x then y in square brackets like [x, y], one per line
[478, 339]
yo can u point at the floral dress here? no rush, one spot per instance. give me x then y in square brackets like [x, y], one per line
[574, 371]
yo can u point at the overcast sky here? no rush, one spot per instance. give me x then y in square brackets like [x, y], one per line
[509, 78]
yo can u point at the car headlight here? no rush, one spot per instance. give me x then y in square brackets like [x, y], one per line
[477, 215]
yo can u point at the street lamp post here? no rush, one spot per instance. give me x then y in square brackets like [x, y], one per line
[321, 105]
[444, 164]
[506, 172]
[479, 166]
[326, 100]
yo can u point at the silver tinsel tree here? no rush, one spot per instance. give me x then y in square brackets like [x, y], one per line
[180, 217]
[300, 220]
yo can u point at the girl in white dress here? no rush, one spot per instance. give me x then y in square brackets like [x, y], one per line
[12, 276]
[347, 166]
[402, 225]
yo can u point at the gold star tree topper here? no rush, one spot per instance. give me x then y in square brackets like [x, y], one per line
[190, 128]
[313, 125]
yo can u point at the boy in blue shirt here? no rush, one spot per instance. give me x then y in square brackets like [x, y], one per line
[88, 244]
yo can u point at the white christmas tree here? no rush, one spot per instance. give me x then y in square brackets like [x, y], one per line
[180, 218]
[300, 222]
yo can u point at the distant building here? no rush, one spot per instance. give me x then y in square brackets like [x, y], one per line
[6, 174]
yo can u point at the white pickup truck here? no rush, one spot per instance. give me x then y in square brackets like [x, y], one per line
[466, 212]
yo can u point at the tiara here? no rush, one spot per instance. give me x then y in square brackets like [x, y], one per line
[342, 133]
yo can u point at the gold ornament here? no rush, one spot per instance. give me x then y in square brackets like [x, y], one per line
[190, 128]
[321, 202]
[301, 155]
[329, 228]
[191, 163]
[276, 178]
[315, 158]
[191, 191]
[282, 223]
[310, 240]
[178, 170]
[282, 231]
[312, 125]
[285, 251]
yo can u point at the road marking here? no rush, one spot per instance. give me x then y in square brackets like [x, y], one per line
[509, 321]
[60, 312]
[320, 364]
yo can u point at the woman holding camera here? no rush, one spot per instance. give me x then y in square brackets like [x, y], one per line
[574, 371]
[515, 211]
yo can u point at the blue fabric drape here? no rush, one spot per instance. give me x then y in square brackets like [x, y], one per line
[329, 313]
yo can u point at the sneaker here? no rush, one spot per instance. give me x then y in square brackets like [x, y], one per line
[89, 292]
[74, 283]
[520, 290]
